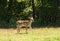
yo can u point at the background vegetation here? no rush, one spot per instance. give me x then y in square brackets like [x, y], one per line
[45, 12]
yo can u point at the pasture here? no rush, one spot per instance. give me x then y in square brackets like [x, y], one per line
[35, 34]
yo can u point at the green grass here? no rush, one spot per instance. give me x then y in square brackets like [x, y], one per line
[36, 34]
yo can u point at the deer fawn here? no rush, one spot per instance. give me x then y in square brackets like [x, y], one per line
[25, 23]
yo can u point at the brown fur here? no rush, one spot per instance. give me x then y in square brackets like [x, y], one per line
[25, 23]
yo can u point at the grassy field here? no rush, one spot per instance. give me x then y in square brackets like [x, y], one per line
[36, 34]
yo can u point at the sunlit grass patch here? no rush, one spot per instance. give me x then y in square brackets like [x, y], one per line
[36, 34]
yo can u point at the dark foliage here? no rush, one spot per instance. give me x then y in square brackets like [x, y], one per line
[45, 12]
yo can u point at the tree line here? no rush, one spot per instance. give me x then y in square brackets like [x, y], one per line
[44, 11]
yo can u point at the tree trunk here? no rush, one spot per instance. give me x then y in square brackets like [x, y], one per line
[33, 8]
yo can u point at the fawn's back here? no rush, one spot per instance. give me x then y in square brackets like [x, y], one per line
[23, 23]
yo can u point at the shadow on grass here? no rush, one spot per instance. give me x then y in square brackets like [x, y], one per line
[22, 33]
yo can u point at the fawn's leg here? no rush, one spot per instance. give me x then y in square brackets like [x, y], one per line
[26, 30]
[18, 29]
[30, 27]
